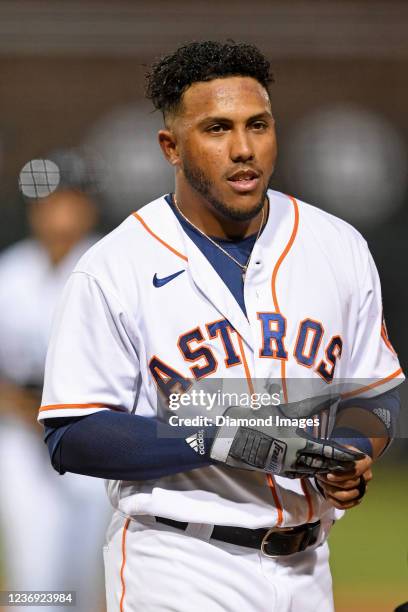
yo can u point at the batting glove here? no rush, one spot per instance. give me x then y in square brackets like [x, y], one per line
[256, 440]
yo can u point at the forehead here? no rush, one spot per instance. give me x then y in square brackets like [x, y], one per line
[223, 97]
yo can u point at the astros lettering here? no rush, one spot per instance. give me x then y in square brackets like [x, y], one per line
[195, 349]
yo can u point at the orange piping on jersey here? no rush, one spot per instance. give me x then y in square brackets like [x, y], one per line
[78, 407]
[283, 380]
[122, 569]
[387, 341]
[285, 252]
[306, 492]
[273, 283]
[272, 486]
[283, 363]
[147, 228]
[372, 386]
[245, 363]
[269, 477]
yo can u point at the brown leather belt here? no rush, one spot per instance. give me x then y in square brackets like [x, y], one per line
[274, 542]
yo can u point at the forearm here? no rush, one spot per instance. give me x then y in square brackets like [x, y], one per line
[122, 447]
[369, 424]
[357, 424]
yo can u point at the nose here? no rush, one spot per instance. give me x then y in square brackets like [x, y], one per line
[241, 146]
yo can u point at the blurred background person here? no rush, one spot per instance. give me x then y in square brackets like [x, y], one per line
[51, 530]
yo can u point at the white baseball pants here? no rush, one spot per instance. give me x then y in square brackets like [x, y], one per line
[155, 568]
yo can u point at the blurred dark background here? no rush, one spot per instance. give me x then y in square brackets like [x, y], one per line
[71, 80]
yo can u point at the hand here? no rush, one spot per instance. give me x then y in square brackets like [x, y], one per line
[342, 489]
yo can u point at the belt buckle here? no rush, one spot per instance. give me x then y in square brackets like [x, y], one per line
[265, 540]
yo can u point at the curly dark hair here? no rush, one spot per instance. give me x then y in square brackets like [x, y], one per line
[202, 61]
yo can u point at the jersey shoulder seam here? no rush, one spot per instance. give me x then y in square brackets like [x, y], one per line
[103, 287]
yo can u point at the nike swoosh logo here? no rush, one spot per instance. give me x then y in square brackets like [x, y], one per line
[159, 282]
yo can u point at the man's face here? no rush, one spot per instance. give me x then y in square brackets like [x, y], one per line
[226, 144]
[63, 218]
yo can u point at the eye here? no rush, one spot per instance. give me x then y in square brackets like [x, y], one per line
[259, 125]
[217, 128]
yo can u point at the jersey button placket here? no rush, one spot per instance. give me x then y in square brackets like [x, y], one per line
[254, 285]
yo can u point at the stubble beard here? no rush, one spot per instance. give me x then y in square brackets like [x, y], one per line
[198, 181]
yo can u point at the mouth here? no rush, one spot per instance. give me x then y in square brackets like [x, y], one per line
[244, 181]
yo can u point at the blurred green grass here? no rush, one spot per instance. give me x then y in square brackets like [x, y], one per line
[369, 546]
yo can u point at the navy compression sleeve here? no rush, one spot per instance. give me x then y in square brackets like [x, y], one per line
[121, 446]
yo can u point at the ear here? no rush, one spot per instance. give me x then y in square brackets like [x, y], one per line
[168, 144]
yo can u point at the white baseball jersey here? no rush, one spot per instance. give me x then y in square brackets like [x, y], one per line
[314, 312]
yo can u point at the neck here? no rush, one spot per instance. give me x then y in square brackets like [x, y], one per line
[57, 251]
[203, 215]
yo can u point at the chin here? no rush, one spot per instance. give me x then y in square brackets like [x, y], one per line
[246, 206]
[239, 209]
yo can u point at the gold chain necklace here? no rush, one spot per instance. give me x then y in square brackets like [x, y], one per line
[243, 267]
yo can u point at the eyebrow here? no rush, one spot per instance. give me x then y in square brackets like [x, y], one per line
[220, 119]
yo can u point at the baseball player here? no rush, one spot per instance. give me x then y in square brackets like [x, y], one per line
[47, 542]
[223, 286]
